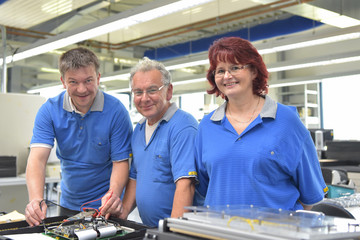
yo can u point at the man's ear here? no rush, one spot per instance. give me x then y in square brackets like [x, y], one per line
[63, 82]
[169, 92]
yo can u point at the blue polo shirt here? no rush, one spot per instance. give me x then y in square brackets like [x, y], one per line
[157, 166]
[272, 163]
[86, 145]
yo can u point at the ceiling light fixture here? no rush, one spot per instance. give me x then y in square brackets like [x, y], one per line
[123, 76]
[119, 21]
[189, 81]
[323, 61]
[188, 64]
[49, 70]
[47, 90]
[266, 48]
[332, 39]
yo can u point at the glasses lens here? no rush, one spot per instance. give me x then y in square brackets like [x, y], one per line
[138, 93]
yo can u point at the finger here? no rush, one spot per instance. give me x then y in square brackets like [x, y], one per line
[106, 198]
[34, 213]
[109, 205]
[30, 219]
[41, 212]
[104, 202]
[115, 207]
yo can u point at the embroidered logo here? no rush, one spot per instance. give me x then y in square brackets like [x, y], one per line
[193, 173]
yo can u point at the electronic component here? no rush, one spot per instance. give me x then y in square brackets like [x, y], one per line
[249, 222]
[84, 226]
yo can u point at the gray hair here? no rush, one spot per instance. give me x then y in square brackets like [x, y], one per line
[77, 58]
[146, 65]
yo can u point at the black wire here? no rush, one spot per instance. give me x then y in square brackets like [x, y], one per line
[47, 203]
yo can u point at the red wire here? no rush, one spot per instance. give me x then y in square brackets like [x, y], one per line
[96, 210]
[105, 202]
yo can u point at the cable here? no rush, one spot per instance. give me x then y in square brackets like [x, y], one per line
[97, 212]
[105, 202]
[47, 203]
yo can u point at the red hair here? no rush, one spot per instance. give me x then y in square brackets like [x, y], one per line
[236, 50]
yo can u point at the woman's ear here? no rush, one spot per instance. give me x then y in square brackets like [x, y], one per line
[254, 72]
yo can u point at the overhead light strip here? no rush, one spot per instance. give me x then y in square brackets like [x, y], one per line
[315, 64]
[310, 43]
[72, 37]
[283, 47]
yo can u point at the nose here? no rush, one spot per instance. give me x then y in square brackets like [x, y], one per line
[144, 96]
[81, 88]
[227, 74]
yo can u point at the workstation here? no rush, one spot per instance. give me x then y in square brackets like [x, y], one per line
[311, 52]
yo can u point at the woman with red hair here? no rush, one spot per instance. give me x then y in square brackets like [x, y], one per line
[253, 150]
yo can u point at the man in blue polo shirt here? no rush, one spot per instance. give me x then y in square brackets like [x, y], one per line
[163, 171]
[92, 130]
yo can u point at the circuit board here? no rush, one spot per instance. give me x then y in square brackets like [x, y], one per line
[85, 226]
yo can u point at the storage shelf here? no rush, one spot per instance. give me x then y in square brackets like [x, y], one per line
[13, 181]
[306, 99]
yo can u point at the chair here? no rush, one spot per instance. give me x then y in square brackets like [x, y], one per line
[331, 209]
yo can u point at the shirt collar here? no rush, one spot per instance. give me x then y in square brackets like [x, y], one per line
[168, 114]
[98, 104]
[268, 110]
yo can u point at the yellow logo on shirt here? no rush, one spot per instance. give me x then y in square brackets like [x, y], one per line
[193, 173]
[326, 189]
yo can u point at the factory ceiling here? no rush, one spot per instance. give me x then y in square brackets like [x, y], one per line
[176, 37]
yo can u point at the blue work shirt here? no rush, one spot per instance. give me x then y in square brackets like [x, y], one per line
[157, 166]
[272, 163]
[86, 145]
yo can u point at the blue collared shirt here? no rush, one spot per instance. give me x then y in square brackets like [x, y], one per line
[86, 145]
[272, 163]
[156, 166]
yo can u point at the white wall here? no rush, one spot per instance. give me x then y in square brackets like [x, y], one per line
[18, 113]
[341, 107]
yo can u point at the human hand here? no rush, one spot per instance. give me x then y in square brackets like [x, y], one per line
[111, 204]
[124, 213]
[34, 214]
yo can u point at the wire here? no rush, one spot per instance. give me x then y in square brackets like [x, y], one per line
[248, 221]
[47, 203]
[105, 202]
[97, 212]
[81, 207]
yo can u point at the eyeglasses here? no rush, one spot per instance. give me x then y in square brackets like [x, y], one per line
[150, 91]
[234, 70]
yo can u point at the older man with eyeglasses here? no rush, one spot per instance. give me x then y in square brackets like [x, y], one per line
[163, 172]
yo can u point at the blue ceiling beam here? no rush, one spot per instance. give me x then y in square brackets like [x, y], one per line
[259, 32]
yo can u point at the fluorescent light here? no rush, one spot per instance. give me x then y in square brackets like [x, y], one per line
[189, 81]
[122, 90]
[293, 83]
[338, 38]
[322, 15]
[104, 26]
[49, 70]
[341, 21]
[48, 91]
[268, 47]
[57, 7]
[188, 64]
[314, 64]
[124, 76]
